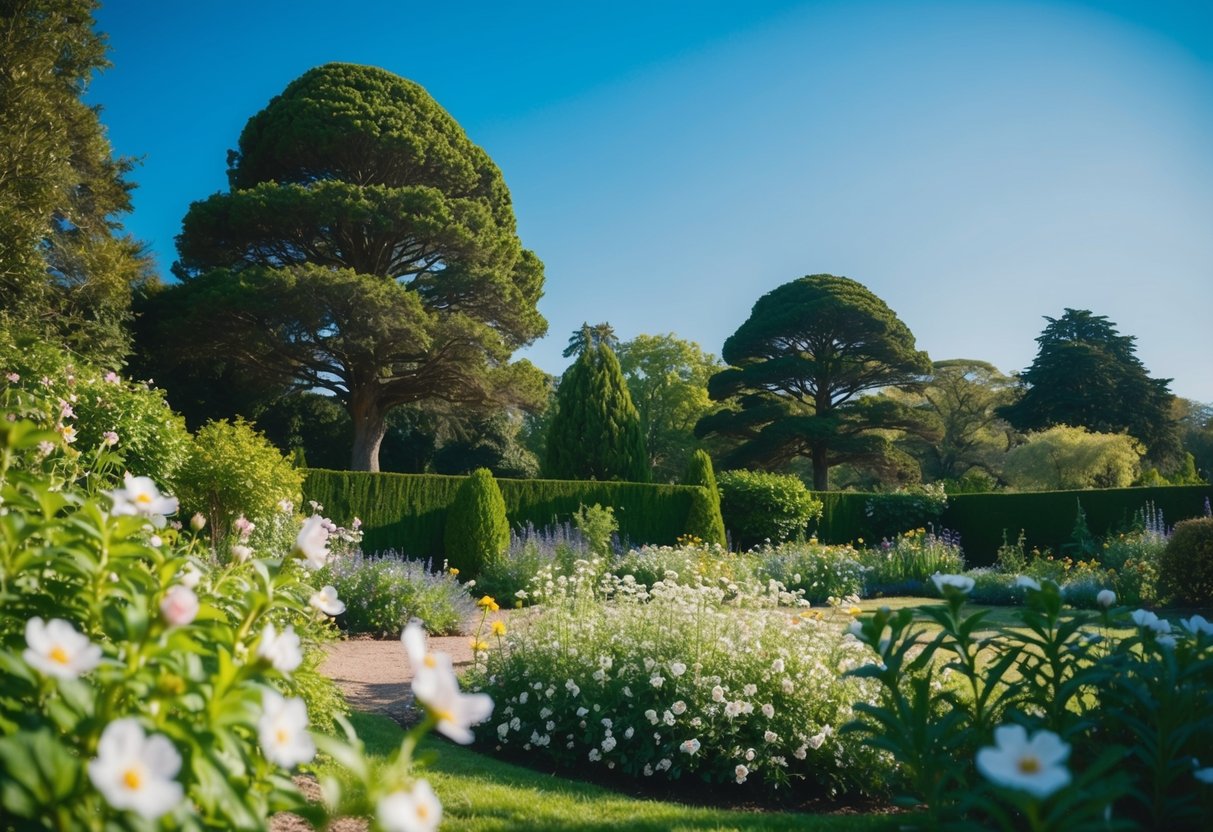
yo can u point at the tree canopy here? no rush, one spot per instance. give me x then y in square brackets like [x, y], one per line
[799, 367]
[66, 268]
[667, 378]
[366, 247]
[595, 431]
[1064, 457]
[1087, 374]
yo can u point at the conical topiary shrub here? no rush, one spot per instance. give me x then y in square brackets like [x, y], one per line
[704, 520]
[477, 530]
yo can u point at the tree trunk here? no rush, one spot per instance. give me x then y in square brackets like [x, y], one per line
[821, 469]
[370, 425]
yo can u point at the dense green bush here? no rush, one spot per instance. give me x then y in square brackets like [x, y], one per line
[477, 531]
[759, 506]
[383, 593]
[913, 507]
[1185, 569]
[705, 520]
[233, 470]
[407, 512]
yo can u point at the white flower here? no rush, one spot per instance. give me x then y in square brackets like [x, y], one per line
[657, 681]
[436, 687]
[283, 651]
[961, 583]
[241, 553]
[677, 668]
[1166, 641]
[1160, 626]
[327, 602]
[690, 746]
[595, 755]
[777, 665]
[1143, 618]
[68, 433]
[135, 771]
[770, 736]
[1035, 765]
[750, 689]
[286, 506]
[412, 811]
[1105, 598]
[717, 694]
[651, 716]
[679, 708]
[139, 496]
[732, 709]
[282, 730]
[768, 710]
[1197, 625]
[1025, 582]
[312, 542]
[608, 745]
[180, 606]
[109, 439]
[1204, 775]
[741, 773]
[56, 649]
[190, 576]
[816, 740]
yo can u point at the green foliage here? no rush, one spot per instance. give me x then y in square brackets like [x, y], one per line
[818, 571]
[367, 247]
[759, 506]
[705, 520]
[382, 594]
[595, 432]
[150, 438]
[889, 515]
[904, 564]
[1064, 457]
[598, 527]
[668, 380]
[233, 470]
[1185, 569]
[66, 269]
[1047, 517]
[798, 366]
[477, 531]
[1087, 374]
[1131, 712]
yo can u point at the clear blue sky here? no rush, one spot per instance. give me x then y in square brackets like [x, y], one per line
[976, 164]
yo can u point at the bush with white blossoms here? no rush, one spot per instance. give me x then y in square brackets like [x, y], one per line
[143, 687]
[1058, 722]
[675, 681]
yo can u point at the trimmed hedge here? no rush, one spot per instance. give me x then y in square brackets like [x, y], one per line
[1046, 517]
[407, 512]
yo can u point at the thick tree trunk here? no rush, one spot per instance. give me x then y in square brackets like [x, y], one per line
[370, 425]
[821, 469]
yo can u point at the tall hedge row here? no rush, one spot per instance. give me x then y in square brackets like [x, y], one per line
[407, 512]
[1046, 517]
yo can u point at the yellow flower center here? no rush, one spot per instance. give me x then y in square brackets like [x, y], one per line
[429, 661]
[58, 654]
[423, 811]
[281, 736]
[444, 716]
[143, 498]
[1029, 765]
[131, 779]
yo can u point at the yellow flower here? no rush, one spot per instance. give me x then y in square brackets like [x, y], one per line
[454, 571]
[498, 628]
[488, 603]
[859, 540]
[854, 610]
[478, 645]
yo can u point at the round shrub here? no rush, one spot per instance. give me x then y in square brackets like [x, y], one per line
[384, 593]
[704, 520]
[759, 506]
[1185, 569]
[232, 470]
[477, 531]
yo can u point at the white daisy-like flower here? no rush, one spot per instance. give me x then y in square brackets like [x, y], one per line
[437, 688]
[135, 771]
[312, 543]
[284, 651]
[282, 730]
[56, 649]
[1143, 618]
[960, 583]
[1197, 625]
[327, 602]
[417, 810]
[1035, 765]
[140, 496]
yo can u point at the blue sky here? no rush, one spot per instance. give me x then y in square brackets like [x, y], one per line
[978, 165]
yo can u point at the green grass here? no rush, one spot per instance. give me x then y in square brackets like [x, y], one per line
[481, 794]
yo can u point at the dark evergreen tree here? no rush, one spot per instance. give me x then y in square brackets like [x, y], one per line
[705, 520]
[67, 270]
[595, 432]
[1086, 374]
[477, 530]
[799, 367]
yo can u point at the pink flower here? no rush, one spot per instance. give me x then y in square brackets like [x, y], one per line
[13, 377]
[109, 438]
[243, 526]
[111, 377]
[180, 606]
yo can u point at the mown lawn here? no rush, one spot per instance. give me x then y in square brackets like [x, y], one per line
[481, 794]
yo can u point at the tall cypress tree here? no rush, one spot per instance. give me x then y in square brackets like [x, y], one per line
[705, 519]
[595, 433]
